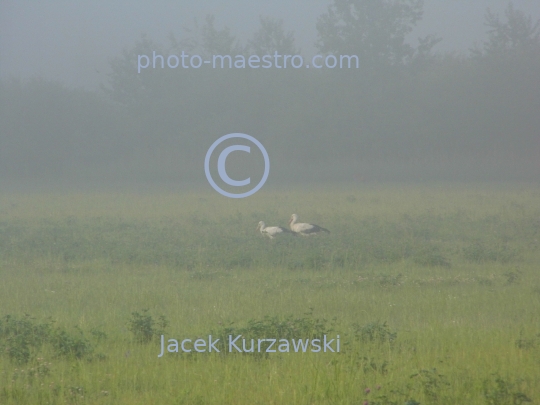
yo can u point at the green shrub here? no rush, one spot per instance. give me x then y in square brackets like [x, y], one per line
[289, 327]
[144, 327]
[374, 332]
[22, 339]
[498, 391]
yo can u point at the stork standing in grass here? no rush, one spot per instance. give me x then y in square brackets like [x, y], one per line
[272, 231]
[303, 228]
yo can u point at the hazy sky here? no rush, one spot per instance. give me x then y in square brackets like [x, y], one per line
[73, 41]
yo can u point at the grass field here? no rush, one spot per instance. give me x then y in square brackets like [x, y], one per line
[434, 291]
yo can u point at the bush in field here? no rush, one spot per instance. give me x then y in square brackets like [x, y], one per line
[498, 391]
[77, 345]
[306, 327]
[374, 332]
[144, 327]
[512, 277]
[480, 252]
[527, 343]
[433, 384]
[22, 339]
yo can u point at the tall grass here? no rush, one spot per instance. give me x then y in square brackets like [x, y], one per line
[435, 292]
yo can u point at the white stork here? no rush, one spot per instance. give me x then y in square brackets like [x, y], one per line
[303, 228]
[272, 231]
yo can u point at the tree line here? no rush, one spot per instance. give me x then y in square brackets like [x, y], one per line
[407, 114]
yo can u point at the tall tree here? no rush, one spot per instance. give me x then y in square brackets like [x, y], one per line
[271, 37]
[219, 42]
[375, 30]
[517, 33]
[206, 39]
[126, 85]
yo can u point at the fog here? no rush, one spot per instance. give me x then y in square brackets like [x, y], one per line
[444, 97]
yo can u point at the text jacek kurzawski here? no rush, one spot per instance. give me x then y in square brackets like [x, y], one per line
[239, 344]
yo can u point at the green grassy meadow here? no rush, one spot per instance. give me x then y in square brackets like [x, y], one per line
[434, 291]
